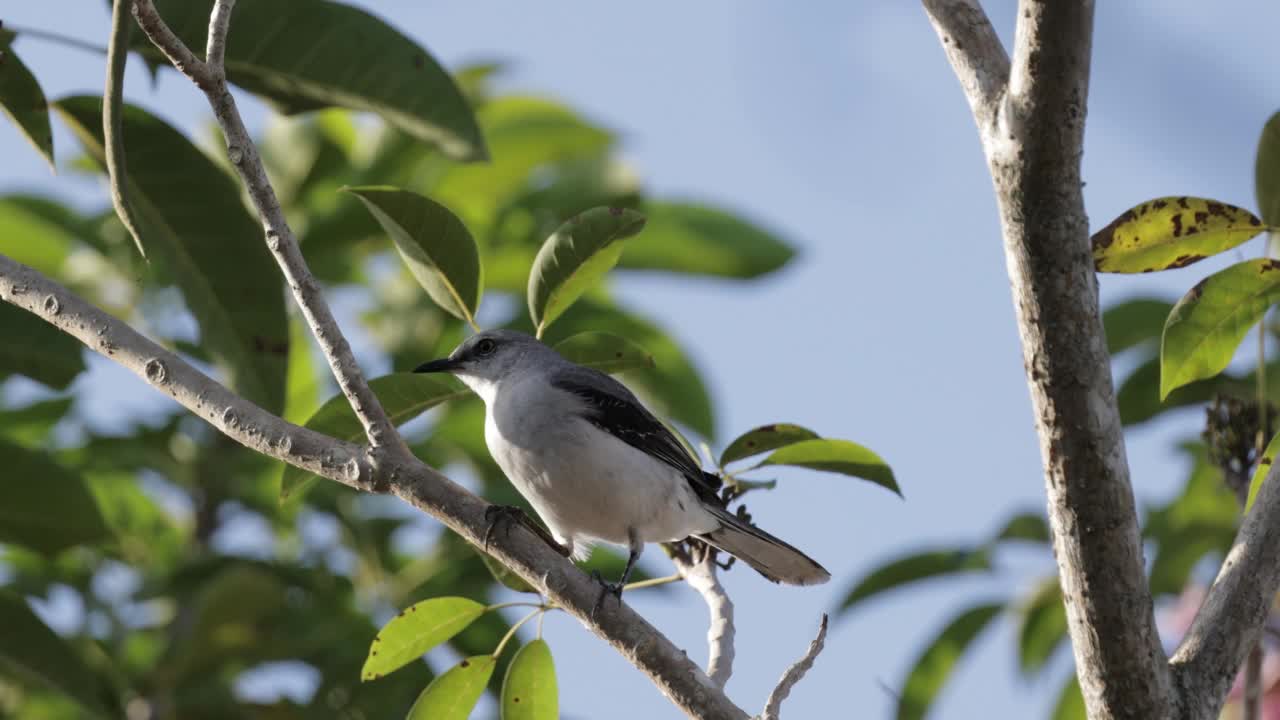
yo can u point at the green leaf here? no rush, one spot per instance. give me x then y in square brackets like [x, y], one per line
[575, 257]
[37, 349]
[31, 424]
[22, 99]
[1208, 323]
[229, 615]
[1043, 627]
[307, 54]
[916, 567]
[212, 249]
[36, 231]
[604, 351]
[1171, 232]
[45, 506]
[839, 456]
[417, 629]
[529, 690]
[931, 670]
[404, 396]
[1139, 393]
[1266, 172]
[302, 389]
[33, 652]
[764, 439]
[435, 245]
[1202, 520]
[688, 238]
[1134, 322]
[1264, 467]
[1070, 704]
[509, 580]
[453, 695]
[1030, 527]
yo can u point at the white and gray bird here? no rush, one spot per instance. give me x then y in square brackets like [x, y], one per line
[596, 465]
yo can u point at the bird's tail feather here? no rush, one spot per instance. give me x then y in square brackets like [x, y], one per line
[769, 556]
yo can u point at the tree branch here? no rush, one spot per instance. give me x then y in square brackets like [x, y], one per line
[1034, 158]
[210, 77]
[794, 674]
[1229, 623]
[700, 573]
[679, 678]
[975, 53]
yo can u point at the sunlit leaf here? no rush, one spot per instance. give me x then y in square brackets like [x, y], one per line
[1134, 322]
[31, 424]
[454, 694]
[1266, 174]
[687, 238]
[33, 652]
[838, 456]
[302, 391]
[1070, 703]
[604, 351]
[404, 396]
[1138, 396]
[1201, 520]
[433, 242]
[306, 54]
[37, 231]
[1171, 232]
[212, 249]
[22, 99]
[932, 669]
[1043, 627]
[575, 257]
[916, 567]
[417, 629]
[1263, 469]
[529, 690]
[1209, 322]
[764, 439]
[43, 505]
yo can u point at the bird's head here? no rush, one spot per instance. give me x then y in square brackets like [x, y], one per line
[484, 359]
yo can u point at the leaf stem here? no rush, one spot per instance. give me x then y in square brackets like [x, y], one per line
[112, 120]
[512, 632]
[53, 37]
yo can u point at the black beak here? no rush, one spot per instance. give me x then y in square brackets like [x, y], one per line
[441, 365]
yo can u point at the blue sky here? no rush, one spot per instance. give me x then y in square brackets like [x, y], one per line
[841, 126]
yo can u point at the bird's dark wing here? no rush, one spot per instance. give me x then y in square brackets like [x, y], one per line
[611, 407]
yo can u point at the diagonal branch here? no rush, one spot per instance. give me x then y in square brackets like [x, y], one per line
[211, 78]
[1034, 158]
[679, 678]
[795, 674]
[1229, 623]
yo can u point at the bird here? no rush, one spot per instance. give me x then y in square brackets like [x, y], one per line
[596, 465]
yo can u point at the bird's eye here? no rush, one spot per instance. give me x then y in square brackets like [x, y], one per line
[486, 347]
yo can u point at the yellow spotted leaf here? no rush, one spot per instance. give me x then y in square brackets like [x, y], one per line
[1171, 232]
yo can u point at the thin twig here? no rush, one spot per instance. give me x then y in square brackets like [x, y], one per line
[975, 53]
[112, 121]
[701, 576]
[216, 46]
[795, 674]
[280, 238]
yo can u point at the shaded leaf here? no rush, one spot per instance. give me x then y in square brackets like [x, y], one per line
[509, 580]
[916, 567]
[1070, 703]
[1134, 322]
[1139, 394]
[45, 506]
[688, 238]
[839, 456]
[417, 629]
[1209, 322]
[1266, 172]
[764, 439]
[1200, 520]
[212, 249]
[1043, 627]
[403, 395]
[38, 232]
[575, 257]
[453, 695]
[37, 349]
[934, 666]
[1263, 469]
[1171, 232]
[604, 351]
[303, 379]
[31, 424]
[30, 650]
[434, 244]
[22, 99]
[529, 690]
[1025, 526]
[230, 613]
[306, 54]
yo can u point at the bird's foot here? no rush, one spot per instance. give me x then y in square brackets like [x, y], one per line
[507, 514]
[606, 589]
